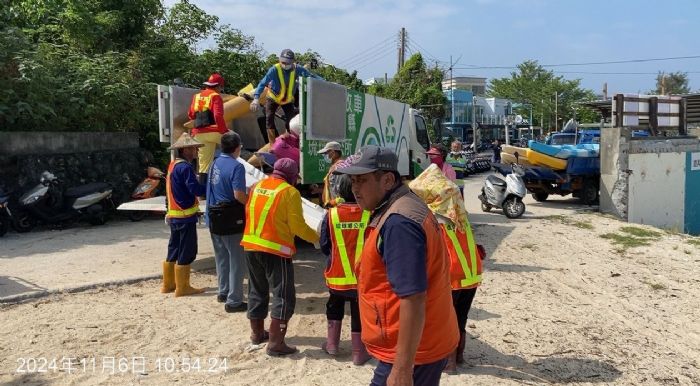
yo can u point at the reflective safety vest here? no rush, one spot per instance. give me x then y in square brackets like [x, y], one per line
[260, 233]
[201, 105]
[459, 164]
[379, 304]
[465, 262]
[286, 94]
[347, 223]
[174, 210]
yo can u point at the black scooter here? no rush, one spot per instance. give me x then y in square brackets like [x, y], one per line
[5, 214]
[50, 203]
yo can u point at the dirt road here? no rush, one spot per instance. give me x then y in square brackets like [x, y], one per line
[568, 297]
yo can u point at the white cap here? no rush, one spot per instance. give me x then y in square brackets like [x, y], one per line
[330, 146]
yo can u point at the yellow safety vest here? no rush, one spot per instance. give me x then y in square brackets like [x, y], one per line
[471, 273]
[286, 94]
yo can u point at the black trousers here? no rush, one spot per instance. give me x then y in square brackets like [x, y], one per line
[271, 108]
[268, 272]
[335, 310]
[462, 302]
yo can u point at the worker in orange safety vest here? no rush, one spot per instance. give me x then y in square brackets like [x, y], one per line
[273, 217]
[342, 240]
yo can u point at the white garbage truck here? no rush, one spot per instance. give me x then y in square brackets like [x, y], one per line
[328, 112]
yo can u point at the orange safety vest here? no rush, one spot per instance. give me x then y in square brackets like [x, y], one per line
[286, 94]
[260, 233]
[379, 305]
[347, 223]
[174, 210]
[465, 262]
[203, 113]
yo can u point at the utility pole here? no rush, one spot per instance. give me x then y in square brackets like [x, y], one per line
[452, 93]
[402, 48]
[556, 111]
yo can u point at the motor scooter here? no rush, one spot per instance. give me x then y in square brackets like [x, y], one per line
[507, 195]
[50, 203]
[5, 214]
[148, 188]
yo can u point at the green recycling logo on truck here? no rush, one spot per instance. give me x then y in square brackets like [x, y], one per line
[369, 120]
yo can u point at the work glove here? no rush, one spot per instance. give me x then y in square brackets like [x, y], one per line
[254, 105]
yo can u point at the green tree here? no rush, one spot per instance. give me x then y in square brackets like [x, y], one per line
[673, 83]
[532, 84]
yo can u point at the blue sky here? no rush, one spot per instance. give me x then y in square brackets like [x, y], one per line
[362, 35]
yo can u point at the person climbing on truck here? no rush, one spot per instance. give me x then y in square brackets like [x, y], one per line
[281, 79]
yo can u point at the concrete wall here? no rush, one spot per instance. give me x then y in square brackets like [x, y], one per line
[75, 158]
[22, 143]
[657, 190]
[653, 181]
[614, 169]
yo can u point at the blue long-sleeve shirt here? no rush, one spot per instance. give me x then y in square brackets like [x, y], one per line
[185, 189]
[273, 80]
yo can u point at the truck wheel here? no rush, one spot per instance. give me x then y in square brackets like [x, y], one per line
[513, 207]
[540, 196]
[137, 215]
[589, 193]
[23, 222]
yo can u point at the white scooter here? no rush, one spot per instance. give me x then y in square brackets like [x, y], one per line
[507, 195]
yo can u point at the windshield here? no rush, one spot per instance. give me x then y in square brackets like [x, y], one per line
[422, 133]
[563, 139]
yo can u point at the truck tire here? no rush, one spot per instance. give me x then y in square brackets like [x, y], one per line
[137, 215]
[540, 196]
[589, 194]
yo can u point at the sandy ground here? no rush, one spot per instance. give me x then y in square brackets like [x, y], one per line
[559, 304]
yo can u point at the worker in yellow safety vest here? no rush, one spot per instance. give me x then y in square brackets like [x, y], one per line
[281, 81]
[273, 217]
[182, 189]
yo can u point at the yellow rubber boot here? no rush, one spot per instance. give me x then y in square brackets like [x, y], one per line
[168, 277]
[182, 282]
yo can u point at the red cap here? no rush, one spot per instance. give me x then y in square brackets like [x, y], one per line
[215, 79]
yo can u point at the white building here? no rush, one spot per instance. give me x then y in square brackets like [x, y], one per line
[476, 85]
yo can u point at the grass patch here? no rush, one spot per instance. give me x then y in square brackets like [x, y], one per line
[695, 242]
[569, 221]
[640, 232]
[625, 242]
[654, 286]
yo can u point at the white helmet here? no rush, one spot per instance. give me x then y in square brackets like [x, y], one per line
[295, 124]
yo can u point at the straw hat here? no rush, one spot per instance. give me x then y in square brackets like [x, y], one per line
[185, 141]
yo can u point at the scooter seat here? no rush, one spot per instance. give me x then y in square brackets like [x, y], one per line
[496, 181]
[84, 190]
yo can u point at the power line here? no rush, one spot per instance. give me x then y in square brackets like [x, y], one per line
[477, 67]
[350, 59]
[431, 56]
[369, 54]
[618, 73]
[375, 59]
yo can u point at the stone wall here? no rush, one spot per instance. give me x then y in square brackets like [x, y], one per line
[75, 158]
